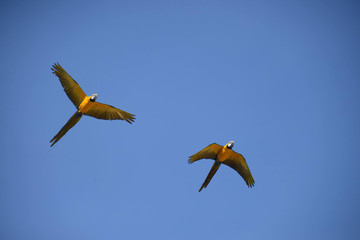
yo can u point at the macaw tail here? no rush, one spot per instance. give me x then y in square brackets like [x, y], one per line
[213, 170]
[72, 121]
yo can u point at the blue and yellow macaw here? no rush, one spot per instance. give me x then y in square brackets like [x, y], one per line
[85, 104]
[224, 154]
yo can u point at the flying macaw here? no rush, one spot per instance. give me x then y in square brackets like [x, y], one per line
[85, 104]
[224, 154]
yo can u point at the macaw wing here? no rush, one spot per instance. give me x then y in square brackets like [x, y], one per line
[107, 112]
[238, 163]
[71, 87]
[210, 152]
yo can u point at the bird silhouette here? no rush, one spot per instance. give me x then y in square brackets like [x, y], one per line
[84, 104]
[223, 154]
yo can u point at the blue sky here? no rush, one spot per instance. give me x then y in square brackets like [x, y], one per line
[280, 78]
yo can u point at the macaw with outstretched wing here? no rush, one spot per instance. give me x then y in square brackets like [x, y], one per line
[224, 154]
[85, 104]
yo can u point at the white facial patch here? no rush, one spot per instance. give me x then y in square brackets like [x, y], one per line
[94, 96]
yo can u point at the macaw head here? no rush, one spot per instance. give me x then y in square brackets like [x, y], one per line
[93, 97]
[230, 144]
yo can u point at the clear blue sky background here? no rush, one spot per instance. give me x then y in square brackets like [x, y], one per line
[281, 78]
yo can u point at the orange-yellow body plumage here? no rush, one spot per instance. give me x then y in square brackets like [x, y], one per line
[223, 154]
[85, 104]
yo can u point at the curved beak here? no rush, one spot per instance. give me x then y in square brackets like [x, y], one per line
[231, 144]
[93, 97]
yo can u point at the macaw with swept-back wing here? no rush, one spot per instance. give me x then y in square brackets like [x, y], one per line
[224, 154]
[85, 104]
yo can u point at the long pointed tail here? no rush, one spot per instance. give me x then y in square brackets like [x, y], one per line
[212, 172]
[72, 121]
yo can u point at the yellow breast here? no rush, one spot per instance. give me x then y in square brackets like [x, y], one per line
[85, 105]
[224, 154]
